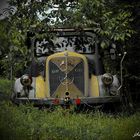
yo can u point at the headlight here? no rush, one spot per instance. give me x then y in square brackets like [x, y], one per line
[107, 79]
[26, 80]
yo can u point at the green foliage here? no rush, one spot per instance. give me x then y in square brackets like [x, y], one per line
[5, 88]
[26, 122]
[14, 30]
[110, 20]
[4, 41]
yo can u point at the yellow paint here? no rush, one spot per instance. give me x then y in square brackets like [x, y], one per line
[94, 86]
[70, 54]
[61, 54]
[40, 89]
[72, 62]
[74, 92]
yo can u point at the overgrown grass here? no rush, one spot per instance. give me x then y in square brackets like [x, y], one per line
[25, 122]
[5, 89]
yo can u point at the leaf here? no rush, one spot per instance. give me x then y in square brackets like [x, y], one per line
[103, 45]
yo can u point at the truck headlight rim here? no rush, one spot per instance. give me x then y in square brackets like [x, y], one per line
[107, 79]
[26, 80]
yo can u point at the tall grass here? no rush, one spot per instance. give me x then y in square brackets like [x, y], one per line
[25, 122]
[5, 89]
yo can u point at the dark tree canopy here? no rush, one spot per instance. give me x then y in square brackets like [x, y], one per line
[114, 21]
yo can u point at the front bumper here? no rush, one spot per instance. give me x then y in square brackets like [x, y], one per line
[61, 101]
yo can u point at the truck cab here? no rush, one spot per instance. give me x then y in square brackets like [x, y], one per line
[66, 67]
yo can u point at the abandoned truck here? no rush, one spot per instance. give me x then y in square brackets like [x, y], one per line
[66, 68]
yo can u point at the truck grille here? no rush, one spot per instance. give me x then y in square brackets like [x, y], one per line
[66, 75]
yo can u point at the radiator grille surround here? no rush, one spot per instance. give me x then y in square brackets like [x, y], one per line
[67, 74]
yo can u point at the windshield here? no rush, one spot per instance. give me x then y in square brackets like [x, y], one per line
[72, 41]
